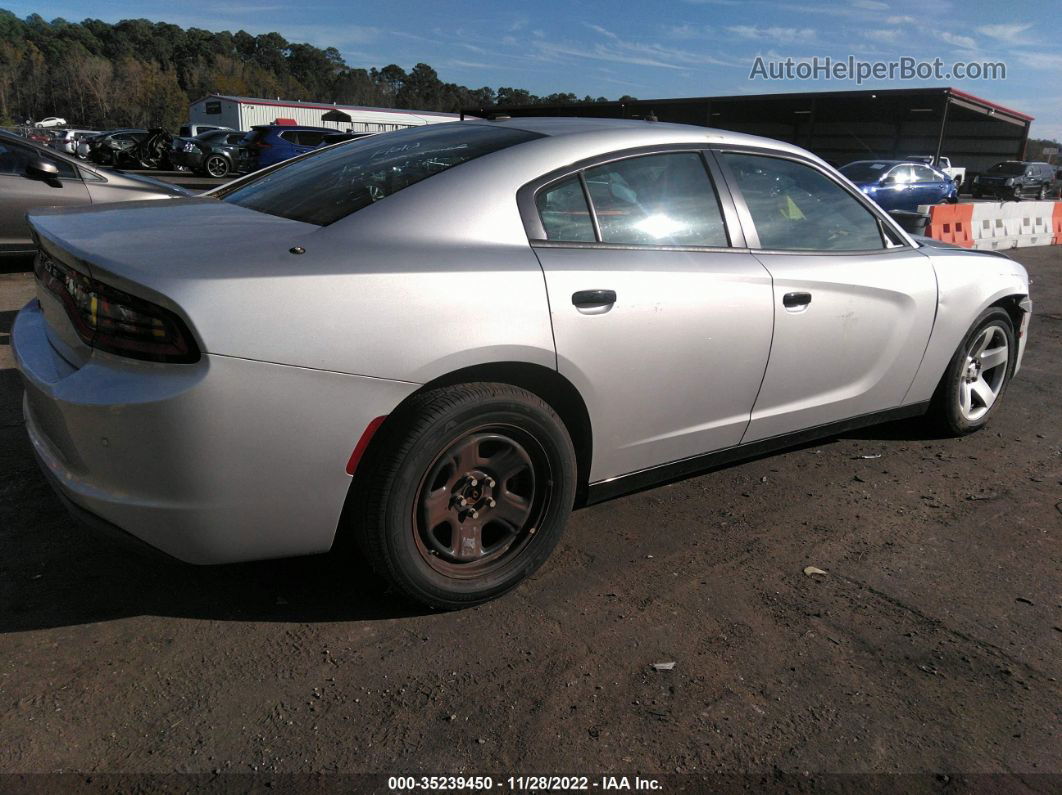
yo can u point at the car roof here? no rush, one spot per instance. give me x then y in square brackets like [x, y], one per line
[634, 132]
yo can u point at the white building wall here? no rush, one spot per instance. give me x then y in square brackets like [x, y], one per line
[243, 115]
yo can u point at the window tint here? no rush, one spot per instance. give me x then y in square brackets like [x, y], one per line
[564, 212]
[797, 208]
[333, 183]
[657, 199]
[292, 136]
[234, 138]
[310, 137]
[14, 159]
[186, 132]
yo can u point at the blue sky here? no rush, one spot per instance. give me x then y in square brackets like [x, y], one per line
[647, 49]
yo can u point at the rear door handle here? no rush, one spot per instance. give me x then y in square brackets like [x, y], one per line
[585, 298]
[795, 300]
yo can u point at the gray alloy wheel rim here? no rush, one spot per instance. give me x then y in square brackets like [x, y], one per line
[216, 167]
[983, 373]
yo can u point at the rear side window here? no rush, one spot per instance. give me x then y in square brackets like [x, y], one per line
[923, 174]
[291, 136]
[310, 137]
[564, 212]
[797, 208]
[331, 184]
[665, 199]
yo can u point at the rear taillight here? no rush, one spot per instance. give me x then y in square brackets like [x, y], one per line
[114, 321]
[261, 145]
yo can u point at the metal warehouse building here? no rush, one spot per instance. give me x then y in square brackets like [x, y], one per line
[838, 126]
[242, 113]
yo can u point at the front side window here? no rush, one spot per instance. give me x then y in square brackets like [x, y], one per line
[331, 184]
[797, 208]
[665, 199]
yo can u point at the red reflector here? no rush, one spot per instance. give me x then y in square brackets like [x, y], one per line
[363, 443]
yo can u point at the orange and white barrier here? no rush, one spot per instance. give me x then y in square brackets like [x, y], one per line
[996, 225]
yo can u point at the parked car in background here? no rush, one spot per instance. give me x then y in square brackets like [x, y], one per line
[267, 144]
[33, 176]
[66, 141]
[212, 154]
[901, 185]
[1015, 180]
[110, 148]
[51, 121]
[457, 311]
[195, 130]
[942, 163]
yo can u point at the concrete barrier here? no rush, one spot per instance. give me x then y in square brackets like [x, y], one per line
[996, 225]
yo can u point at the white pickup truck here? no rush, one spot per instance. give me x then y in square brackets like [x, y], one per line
[944, 164]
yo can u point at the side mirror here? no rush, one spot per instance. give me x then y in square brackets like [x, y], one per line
[39, 168]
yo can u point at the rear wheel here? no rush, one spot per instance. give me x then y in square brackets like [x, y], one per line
[1043, 193]
[465, 493]
[216, 166]
[977, 376]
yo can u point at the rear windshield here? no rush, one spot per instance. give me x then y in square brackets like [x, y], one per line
[331, 185]
[1016, 169]
[866, 171]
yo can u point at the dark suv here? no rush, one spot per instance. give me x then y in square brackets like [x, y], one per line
[1014, 179]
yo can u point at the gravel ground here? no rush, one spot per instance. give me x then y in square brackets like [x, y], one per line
[932, 644]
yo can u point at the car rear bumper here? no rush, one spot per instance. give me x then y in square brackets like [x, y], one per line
[219, 461]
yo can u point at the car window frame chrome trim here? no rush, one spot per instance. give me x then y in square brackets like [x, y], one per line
[527, 193]
[885, 223]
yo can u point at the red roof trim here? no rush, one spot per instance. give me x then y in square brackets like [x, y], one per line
[996, 105]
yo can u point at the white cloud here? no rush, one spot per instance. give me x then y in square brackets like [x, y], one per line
[870, 5]
[771, 34]
[903, 19]
[963, 42]
[1041, 60]
[1007, 33]
[885, 35]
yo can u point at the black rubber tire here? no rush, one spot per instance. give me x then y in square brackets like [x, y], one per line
[382, 499]
[224, 171]
[944, 414]
[1043, 193]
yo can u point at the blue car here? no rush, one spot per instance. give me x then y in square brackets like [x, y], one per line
[901, 185]
[267, 144]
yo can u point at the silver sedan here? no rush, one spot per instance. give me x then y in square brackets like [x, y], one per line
[439, 341]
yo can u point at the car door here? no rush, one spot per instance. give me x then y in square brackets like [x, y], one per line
[926, 186]
[661, 320]
[19, 192]
[896, 190]
[853, 304]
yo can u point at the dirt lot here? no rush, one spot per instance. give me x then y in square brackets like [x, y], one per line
[933, 643]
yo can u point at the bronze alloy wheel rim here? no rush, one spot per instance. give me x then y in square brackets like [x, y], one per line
[480, 501]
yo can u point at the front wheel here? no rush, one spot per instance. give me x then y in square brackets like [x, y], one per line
[465, 493]
[977, 376]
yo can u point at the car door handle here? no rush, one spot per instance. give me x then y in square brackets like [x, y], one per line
[794, 300]
[593, 297]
